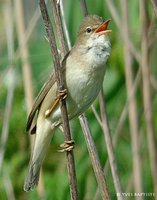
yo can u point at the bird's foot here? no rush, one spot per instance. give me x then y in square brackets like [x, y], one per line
[62, 94]
[67, 146]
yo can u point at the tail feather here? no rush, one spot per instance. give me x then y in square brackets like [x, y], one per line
[42, 140]
[32, 178]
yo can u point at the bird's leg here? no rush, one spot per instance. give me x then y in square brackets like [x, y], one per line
[62, 94]
[66, 146]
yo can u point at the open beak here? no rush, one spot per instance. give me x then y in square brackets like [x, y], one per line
[102, 29]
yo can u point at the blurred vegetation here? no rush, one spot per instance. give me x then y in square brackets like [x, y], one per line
[17, 149]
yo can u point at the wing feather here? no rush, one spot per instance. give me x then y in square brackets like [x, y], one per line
[39, 99]
[45, 89]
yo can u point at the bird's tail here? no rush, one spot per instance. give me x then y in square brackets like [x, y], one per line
[32, 177]
[42, 141]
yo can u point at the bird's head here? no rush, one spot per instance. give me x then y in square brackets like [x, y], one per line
[93, 37]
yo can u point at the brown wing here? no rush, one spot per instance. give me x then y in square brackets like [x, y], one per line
[45, 89]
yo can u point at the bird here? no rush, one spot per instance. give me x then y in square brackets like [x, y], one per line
[83, 70]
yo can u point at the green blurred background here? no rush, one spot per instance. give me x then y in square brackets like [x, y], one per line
[17, 147]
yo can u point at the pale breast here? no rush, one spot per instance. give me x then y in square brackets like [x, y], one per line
[83, 82]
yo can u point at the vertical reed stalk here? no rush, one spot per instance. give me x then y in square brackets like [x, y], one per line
[26, 70]
[147, 99]
[132, 107]
[60, 85]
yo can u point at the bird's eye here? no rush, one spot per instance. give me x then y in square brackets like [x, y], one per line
[88, 29]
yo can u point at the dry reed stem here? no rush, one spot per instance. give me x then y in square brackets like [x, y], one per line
[121, 121]
[132, 107]
[94, 158]
[10, 83]
[27, 34]
[10, 95]
[60, 85]
[24, 55]
[109, 146]
[96, 115]
[147, 100]
[118, 20]
[108, 139]
[59, 29]
[9, 101]
[61, 10]
[93, 155]
[129, 186]
[28, 31]
[26, 71]
[90, 143]
[7, 114]
[84, 7]
[125, 108]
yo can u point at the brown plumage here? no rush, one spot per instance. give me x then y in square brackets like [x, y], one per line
[83, 73]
